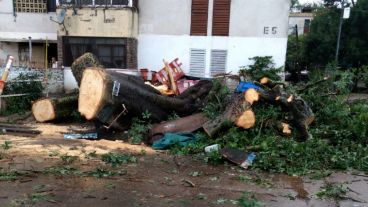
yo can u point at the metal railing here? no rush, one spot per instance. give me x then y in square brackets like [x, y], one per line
[97, 3]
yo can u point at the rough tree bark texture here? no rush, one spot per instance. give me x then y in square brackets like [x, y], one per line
[49, 109]
[103, 95]
[80, 64]
[238, 112]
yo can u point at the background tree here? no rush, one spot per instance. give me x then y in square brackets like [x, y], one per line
[320, 43]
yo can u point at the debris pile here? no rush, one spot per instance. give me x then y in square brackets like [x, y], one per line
[234, 120]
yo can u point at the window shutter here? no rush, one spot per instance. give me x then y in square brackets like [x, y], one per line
[218, 61]
[197, 62]
[199, 17]
[221, 17]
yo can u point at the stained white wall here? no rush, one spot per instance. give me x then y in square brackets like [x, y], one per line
[248, 18]
[100, 22]
[165, 17]
[19, 28]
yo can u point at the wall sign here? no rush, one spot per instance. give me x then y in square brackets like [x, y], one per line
[270, 30]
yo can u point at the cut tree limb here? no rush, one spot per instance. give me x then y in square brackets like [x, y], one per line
[49, 109]
[238, 112]
[299, 113]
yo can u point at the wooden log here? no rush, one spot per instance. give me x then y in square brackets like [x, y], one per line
[103, 95]
[238, 112]
[184, 124]
[78, 66]
[50, 109]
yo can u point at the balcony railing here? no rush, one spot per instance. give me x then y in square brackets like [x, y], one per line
[97, 3]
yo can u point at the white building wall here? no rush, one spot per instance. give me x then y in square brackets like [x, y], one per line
[164, 33]
[23, 25]
[18, 28]
[298, 20]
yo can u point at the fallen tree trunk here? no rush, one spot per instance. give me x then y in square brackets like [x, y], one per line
[115, 98]
[49, 109]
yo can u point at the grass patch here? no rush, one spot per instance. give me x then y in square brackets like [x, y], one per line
[257, 180]
[67, 159]
[7, 145]
[248, 200]
[63, 170]
[332, 191]
[102, 173]
[8, 176]
[116, 159]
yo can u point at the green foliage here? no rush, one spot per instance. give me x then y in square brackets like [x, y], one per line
[7, 145]
[116, 159]
[139, 128]
[261, 67]
[8, 176]
[173, 116]
[44, 196]
[248, 200]
[216, 99]
[27, 85]
[295, 56]
[257, 180]
[332, 191]
[101, 173]
[361, 74]
[63, 170]
[320, 43]
[67, 159]
[339, 132]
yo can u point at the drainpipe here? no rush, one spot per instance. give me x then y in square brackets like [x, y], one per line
[30, 49]
[14, 14]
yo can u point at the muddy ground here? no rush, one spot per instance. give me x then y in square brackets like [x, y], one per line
[39, 176]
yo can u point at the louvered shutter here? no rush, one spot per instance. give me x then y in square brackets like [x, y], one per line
[197, 62]
[221, 17]
[199, 17]
[218, 61]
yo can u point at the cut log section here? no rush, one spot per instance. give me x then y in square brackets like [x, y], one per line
[104, 95]
[48, 109]
[238, 112]
[282, 127]
[251, 95]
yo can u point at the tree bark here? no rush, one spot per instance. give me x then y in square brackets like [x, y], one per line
[50, 109]
[237, 112]
[104, 95]
[80, 64]
[299, 113]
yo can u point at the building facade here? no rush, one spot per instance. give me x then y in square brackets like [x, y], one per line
[211, 36]
[300, 21]
[25, 26]
[208, 36]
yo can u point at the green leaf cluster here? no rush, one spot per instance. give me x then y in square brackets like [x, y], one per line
[23, 84]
